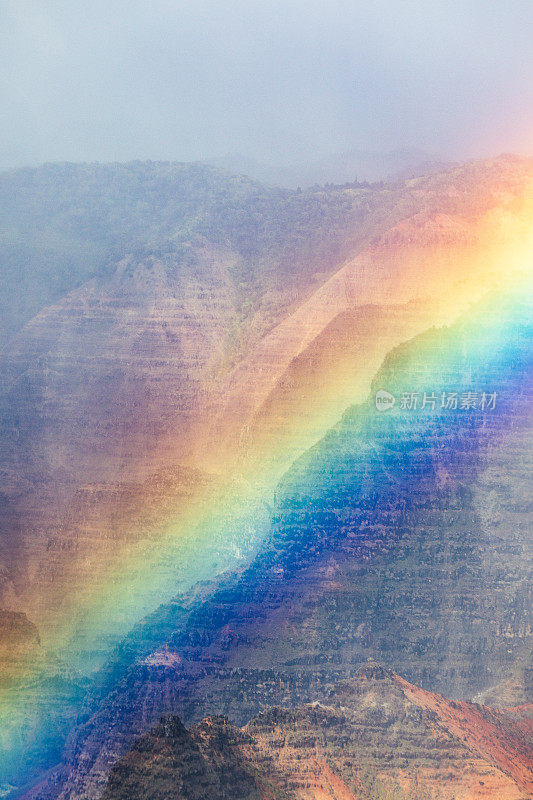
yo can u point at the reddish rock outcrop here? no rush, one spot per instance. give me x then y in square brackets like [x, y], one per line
[373, 737]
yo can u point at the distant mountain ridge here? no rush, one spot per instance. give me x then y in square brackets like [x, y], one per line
[352, 165]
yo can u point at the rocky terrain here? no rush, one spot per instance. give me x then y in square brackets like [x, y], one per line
[187, 418]
[373, 737]
[189, 306]
[377, 548]
[208, 762]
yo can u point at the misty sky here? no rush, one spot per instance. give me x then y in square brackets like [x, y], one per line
[190, 79]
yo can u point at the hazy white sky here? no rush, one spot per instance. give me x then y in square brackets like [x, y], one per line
[190, 79]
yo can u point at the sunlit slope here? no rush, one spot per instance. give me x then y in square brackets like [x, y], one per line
[423, 272]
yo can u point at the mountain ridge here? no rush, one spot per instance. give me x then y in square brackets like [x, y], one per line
[327, 750]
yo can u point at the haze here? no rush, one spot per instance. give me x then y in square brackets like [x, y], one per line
[279, 82]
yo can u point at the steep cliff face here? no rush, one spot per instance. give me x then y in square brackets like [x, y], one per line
[224, 332]
[377, 734]
[142, 278]
[373, 737]
[93, 386]
[378, 547]
[215, 331]
[378, 542]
